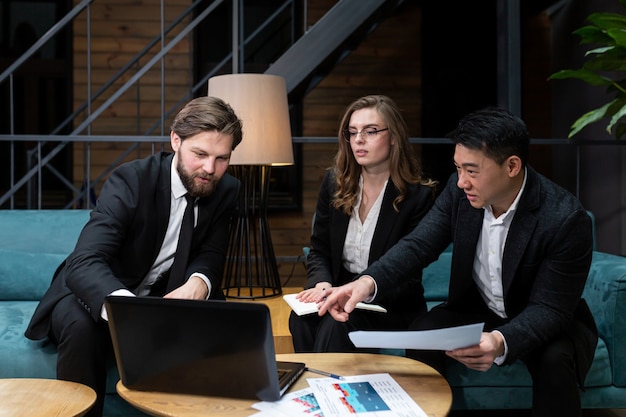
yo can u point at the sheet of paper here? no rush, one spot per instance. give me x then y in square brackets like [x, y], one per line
[441, 339]
[301, 308]
[293, 404]
[374, 395]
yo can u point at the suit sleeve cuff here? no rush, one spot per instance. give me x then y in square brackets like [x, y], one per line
[500, 359]
[206, 280]
[122, 292]
[373, 296]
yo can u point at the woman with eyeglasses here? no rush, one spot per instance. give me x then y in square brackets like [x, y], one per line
[373, 196]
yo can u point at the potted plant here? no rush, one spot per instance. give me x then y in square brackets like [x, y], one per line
[605, 67]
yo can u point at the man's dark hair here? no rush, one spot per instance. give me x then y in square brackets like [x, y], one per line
[496, 132]
[207, 114]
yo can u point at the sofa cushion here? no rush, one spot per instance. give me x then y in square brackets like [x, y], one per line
[42, 231]
[599, 374]
[22, 357]
[605, 292]
[26, 275]
[25, 358]
[33, 244]
[436, 278]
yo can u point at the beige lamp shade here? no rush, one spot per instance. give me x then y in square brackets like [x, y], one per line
[260, 101]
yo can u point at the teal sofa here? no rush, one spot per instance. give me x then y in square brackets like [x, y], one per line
[34, 242]
[510, 387]
[32, 245]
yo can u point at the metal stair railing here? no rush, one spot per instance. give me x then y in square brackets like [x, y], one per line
[8, 73]
[200, 84]
[36, 152]
[43, 161]
[302, 59]
[44, 39]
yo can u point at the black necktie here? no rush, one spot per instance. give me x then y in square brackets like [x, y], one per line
[177, 271]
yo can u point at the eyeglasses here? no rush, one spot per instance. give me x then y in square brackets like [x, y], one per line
[366, 134]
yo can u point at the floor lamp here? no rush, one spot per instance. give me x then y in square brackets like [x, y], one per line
[260, 101]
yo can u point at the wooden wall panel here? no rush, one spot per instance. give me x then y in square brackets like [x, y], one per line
[387, 62]
[118, 30]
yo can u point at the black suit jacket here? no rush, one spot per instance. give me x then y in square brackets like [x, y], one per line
[545, 264]
[324, 263]
[124, 235]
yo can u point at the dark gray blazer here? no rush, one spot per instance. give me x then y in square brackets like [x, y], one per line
[324, 263]
[124, 235]
[545, 264]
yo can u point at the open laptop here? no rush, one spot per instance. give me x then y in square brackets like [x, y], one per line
[215, 348]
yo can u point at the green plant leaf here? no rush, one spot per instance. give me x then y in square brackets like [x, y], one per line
[589, 77]
[587, 118]
[600, 51]
[618, 113]
[611, 59]
[618, 35]
[608, 20]
[593, 34]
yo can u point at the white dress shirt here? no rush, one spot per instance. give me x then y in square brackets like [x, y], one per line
[356, 248]
[487, 270]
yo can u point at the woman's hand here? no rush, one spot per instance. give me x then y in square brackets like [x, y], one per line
[316, 294]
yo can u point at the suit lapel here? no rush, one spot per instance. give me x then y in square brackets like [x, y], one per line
[162, 203]
[338, 232]
[521, 231]
[467, 230]
[386, 221]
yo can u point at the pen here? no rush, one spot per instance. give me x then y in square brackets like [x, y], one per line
[317, 371]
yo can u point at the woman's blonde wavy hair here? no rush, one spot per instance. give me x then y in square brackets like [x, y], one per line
[404, 166]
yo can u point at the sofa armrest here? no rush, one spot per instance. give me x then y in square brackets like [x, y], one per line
[605, 292]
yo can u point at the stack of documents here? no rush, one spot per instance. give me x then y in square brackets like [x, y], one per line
[375, 395]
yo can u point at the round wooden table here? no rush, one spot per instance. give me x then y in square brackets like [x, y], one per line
[427, 388]
[44, 398]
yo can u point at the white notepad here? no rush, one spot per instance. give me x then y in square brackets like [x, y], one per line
[302, 309]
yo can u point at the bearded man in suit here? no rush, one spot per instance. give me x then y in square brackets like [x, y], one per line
[129, 243]
[521, 255]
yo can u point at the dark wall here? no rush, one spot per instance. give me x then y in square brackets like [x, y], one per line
[459, 72]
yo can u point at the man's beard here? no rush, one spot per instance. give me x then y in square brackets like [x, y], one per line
[193, 188]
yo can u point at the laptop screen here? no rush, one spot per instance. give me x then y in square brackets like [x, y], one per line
[216, 348]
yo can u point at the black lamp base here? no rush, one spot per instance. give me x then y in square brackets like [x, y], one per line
[251, 271]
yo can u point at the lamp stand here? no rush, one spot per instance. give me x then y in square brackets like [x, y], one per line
[251, 270]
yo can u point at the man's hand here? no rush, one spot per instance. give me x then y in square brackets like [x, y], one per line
[194, 289]
[481, 356]
[344, 299]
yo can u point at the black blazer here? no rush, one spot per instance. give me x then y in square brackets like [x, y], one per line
[124, 235]
[324, 263]
[546, 261]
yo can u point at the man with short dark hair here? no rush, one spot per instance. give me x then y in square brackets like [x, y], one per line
[521, 256]
[130, 242]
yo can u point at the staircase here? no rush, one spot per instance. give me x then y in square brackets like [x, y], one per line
[304, 64]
